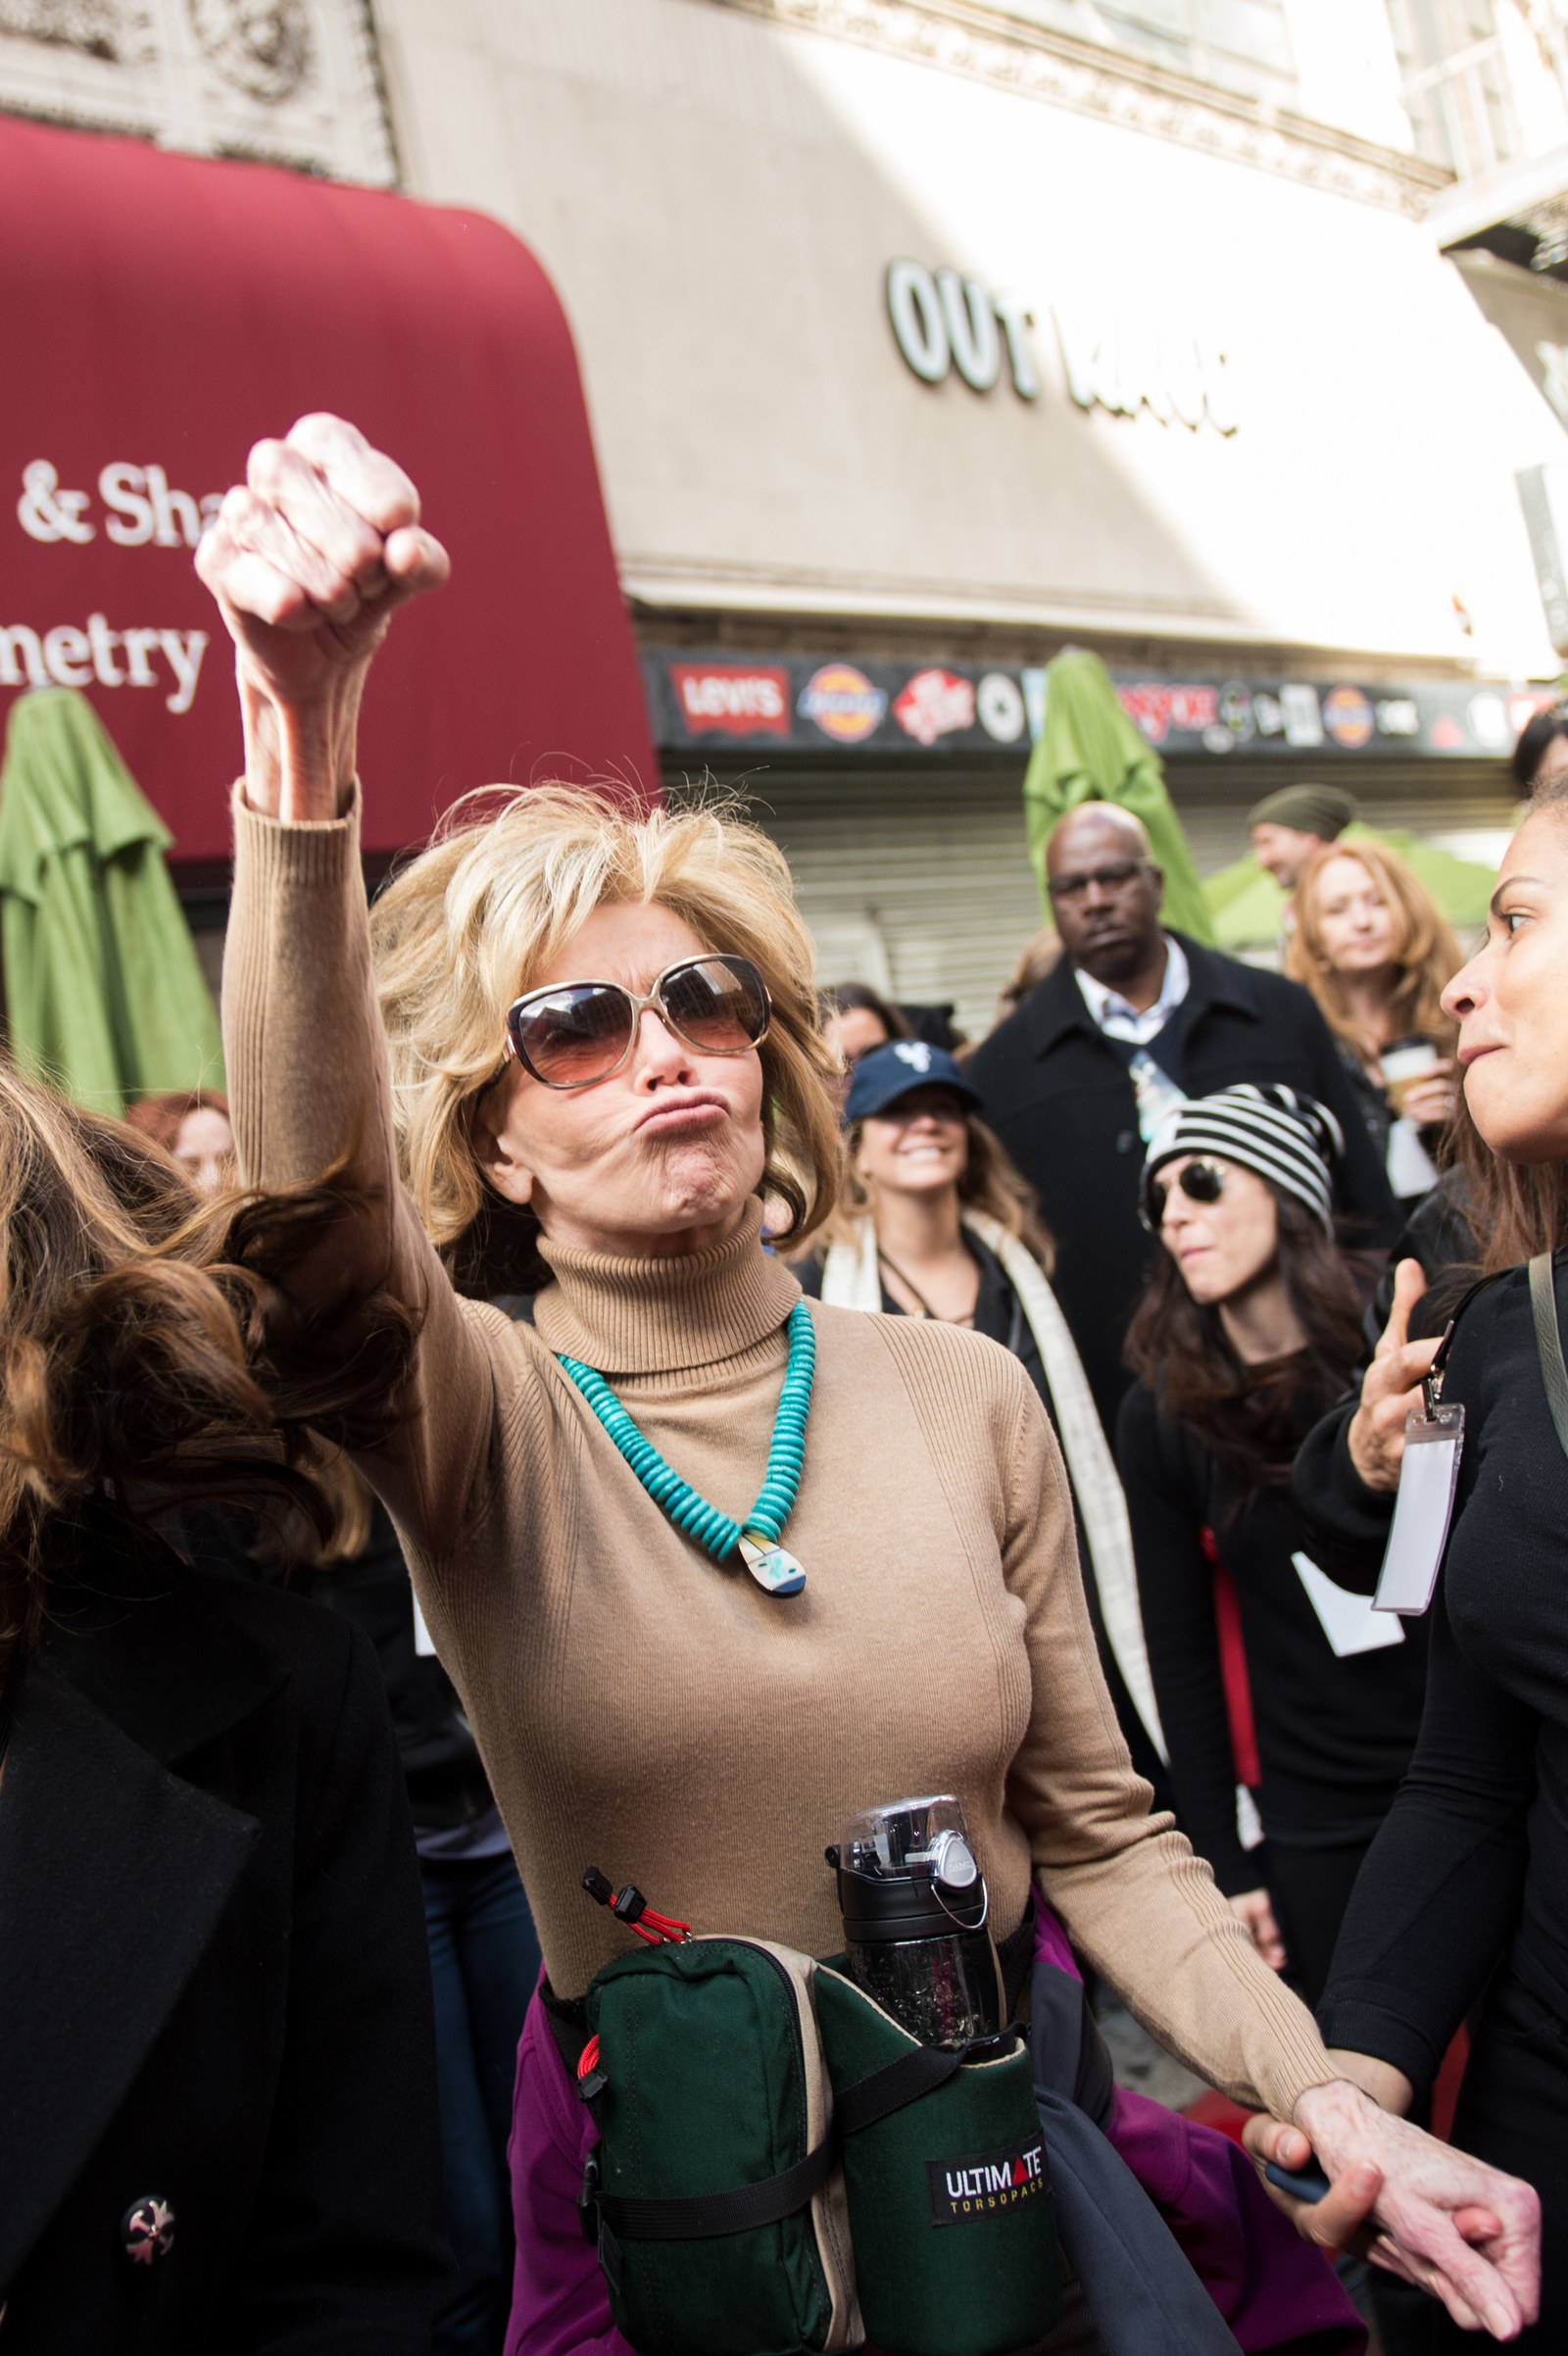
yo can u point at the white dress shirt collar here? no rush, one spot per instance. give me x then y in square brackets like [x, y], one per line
[1116, 1017]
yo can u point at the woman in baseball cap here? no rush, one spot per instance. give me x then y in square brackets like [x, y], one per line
[1249, 1328]
[934, 1220]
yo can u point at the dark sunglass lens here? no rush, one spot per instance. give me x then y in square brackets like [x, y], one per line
[1157, 1195]
[720, 1005]
[573, 1036]
[1201, 1182]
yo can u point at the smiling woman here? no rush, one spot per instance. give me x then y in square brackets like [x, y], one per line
[640, 1702]
[1375, 950]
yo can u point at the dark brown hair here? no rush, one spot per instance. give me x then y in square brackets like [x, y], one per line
[1515, 1208]
[149, 1351]
[845, 997]
[1253, 1419]
[1535, 737]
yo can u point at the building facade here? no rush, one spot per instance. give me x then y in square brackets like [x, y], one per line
[924, 337]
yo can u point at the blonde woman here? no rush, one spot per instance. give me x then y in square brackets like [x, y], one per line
[1376, 952]
[604, 1028]
[933, 1220]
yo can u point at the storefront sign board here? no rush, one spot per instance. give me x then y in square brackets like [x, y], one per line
[833, 704]
[165, 311]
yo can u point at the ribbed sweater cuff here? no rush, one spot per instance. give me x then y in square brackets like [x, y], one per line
[1298, 2058]
[304, 852]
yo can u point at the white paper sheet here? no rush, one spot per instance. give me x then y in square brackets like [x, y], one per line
[1347, 1620]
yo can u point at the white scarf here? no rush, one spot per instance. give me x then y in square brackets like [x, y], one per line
[851, 1280]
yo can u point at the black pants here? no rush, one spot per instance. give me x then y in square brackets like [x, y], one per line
[1513, 2111]
[1311, 1889]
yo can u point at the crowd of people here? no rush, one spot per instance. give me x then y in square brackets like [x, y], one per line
[554, 1215]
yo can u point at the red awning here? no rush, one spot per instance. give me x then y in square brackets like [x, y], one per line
[161, 312]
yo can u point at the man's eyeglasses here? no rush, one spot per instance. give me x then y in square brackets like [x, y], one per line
[582, 1032]
[1200, 1182]
[1114, 878]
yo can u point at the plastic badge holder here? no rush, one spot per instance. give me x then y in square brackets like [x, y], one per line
[1429, 1475]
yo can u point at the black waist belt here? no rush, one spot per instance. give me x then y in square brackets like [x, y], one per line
[706, 2216]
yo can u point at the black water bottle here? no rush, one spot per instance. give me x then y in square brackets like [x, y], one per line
[915, 1920]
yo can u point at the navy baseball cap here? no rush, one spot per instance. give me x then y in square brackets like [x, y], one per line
[885, 1073]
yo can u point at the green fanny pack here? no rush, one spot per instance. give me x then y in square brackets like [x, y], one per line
[781, 2169]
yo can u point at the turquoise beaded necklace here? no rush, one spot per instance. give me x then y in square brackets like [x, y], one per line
[757, 1539]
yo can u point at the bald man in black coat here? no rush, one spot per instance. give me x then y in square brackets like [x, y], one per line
[1132, 1015]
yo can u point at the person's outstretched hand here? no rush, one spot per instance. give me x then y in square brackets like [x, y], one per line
[1392, 1387]
[308, 559]
[1462, 2231]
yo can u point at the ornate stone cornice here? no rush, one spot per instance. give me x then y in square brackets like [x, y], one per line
[984, 44]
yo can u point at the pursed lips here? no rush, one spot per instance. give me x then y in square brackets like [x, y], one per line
[671, 1110]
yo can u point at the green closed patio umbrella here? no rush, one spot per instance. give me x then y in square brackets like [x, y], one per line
[104, 994]
[1090, 750]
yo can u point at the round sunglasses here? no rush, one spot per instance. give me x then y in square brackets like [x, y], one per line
[582, 1032]
[1200, 1182]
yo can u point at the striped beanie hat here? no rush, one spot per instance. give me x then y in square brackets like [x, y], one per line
[1288, 1139]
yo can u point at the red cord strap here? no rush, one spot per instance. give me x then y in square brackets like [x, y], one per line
[630, 1908]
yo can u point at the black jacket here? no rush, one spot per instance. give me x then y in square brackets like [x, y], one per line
[214, 1981]
[1060, 1098]
[446, 1782]
[1349, 1522]
[1334, 1736]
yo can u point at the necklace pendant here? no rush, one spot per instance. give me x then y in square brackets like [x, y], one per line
[777, 1573]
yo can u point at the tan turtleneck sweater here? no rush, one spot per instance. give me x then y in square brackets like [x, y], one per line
[647, 1711]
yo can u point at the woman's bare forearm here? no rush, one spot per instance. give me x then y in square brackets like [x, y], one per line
[1389, 2088]
[301, 759]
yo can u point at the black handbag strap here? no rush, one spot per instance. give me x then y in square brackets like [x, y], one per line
[918, 2072]
[705, 2217]
[1548, 1342]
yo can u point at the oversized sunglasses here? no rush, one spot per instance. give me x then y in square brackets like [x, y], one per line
[582, 1032]
[1200, 1182]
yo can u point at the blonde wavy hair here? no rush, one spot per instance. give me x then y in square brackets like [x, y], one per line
[1427, 953]
[467, 927]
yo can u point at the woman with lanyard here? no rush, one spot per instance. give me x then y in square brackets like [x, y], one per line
[1249, 1328]
[601, 1028]
[1464, 1900]
[934, 1221]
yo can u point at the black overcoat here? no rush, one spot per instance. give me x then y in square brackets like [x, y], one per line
[213, 1982]
[1060, 1098]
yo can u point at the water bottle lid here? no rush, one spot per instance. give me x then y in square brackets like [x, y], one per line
[908, 1872]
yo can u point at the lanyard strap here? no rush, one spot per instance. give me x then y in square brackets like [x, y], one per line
[1548, 1342]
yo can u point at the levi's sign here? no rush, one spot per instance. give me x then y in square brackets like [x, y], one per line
[739, 699]
[830, 705]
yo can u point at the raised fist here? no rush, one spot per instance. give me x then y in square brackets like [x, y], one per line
[308, 559]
